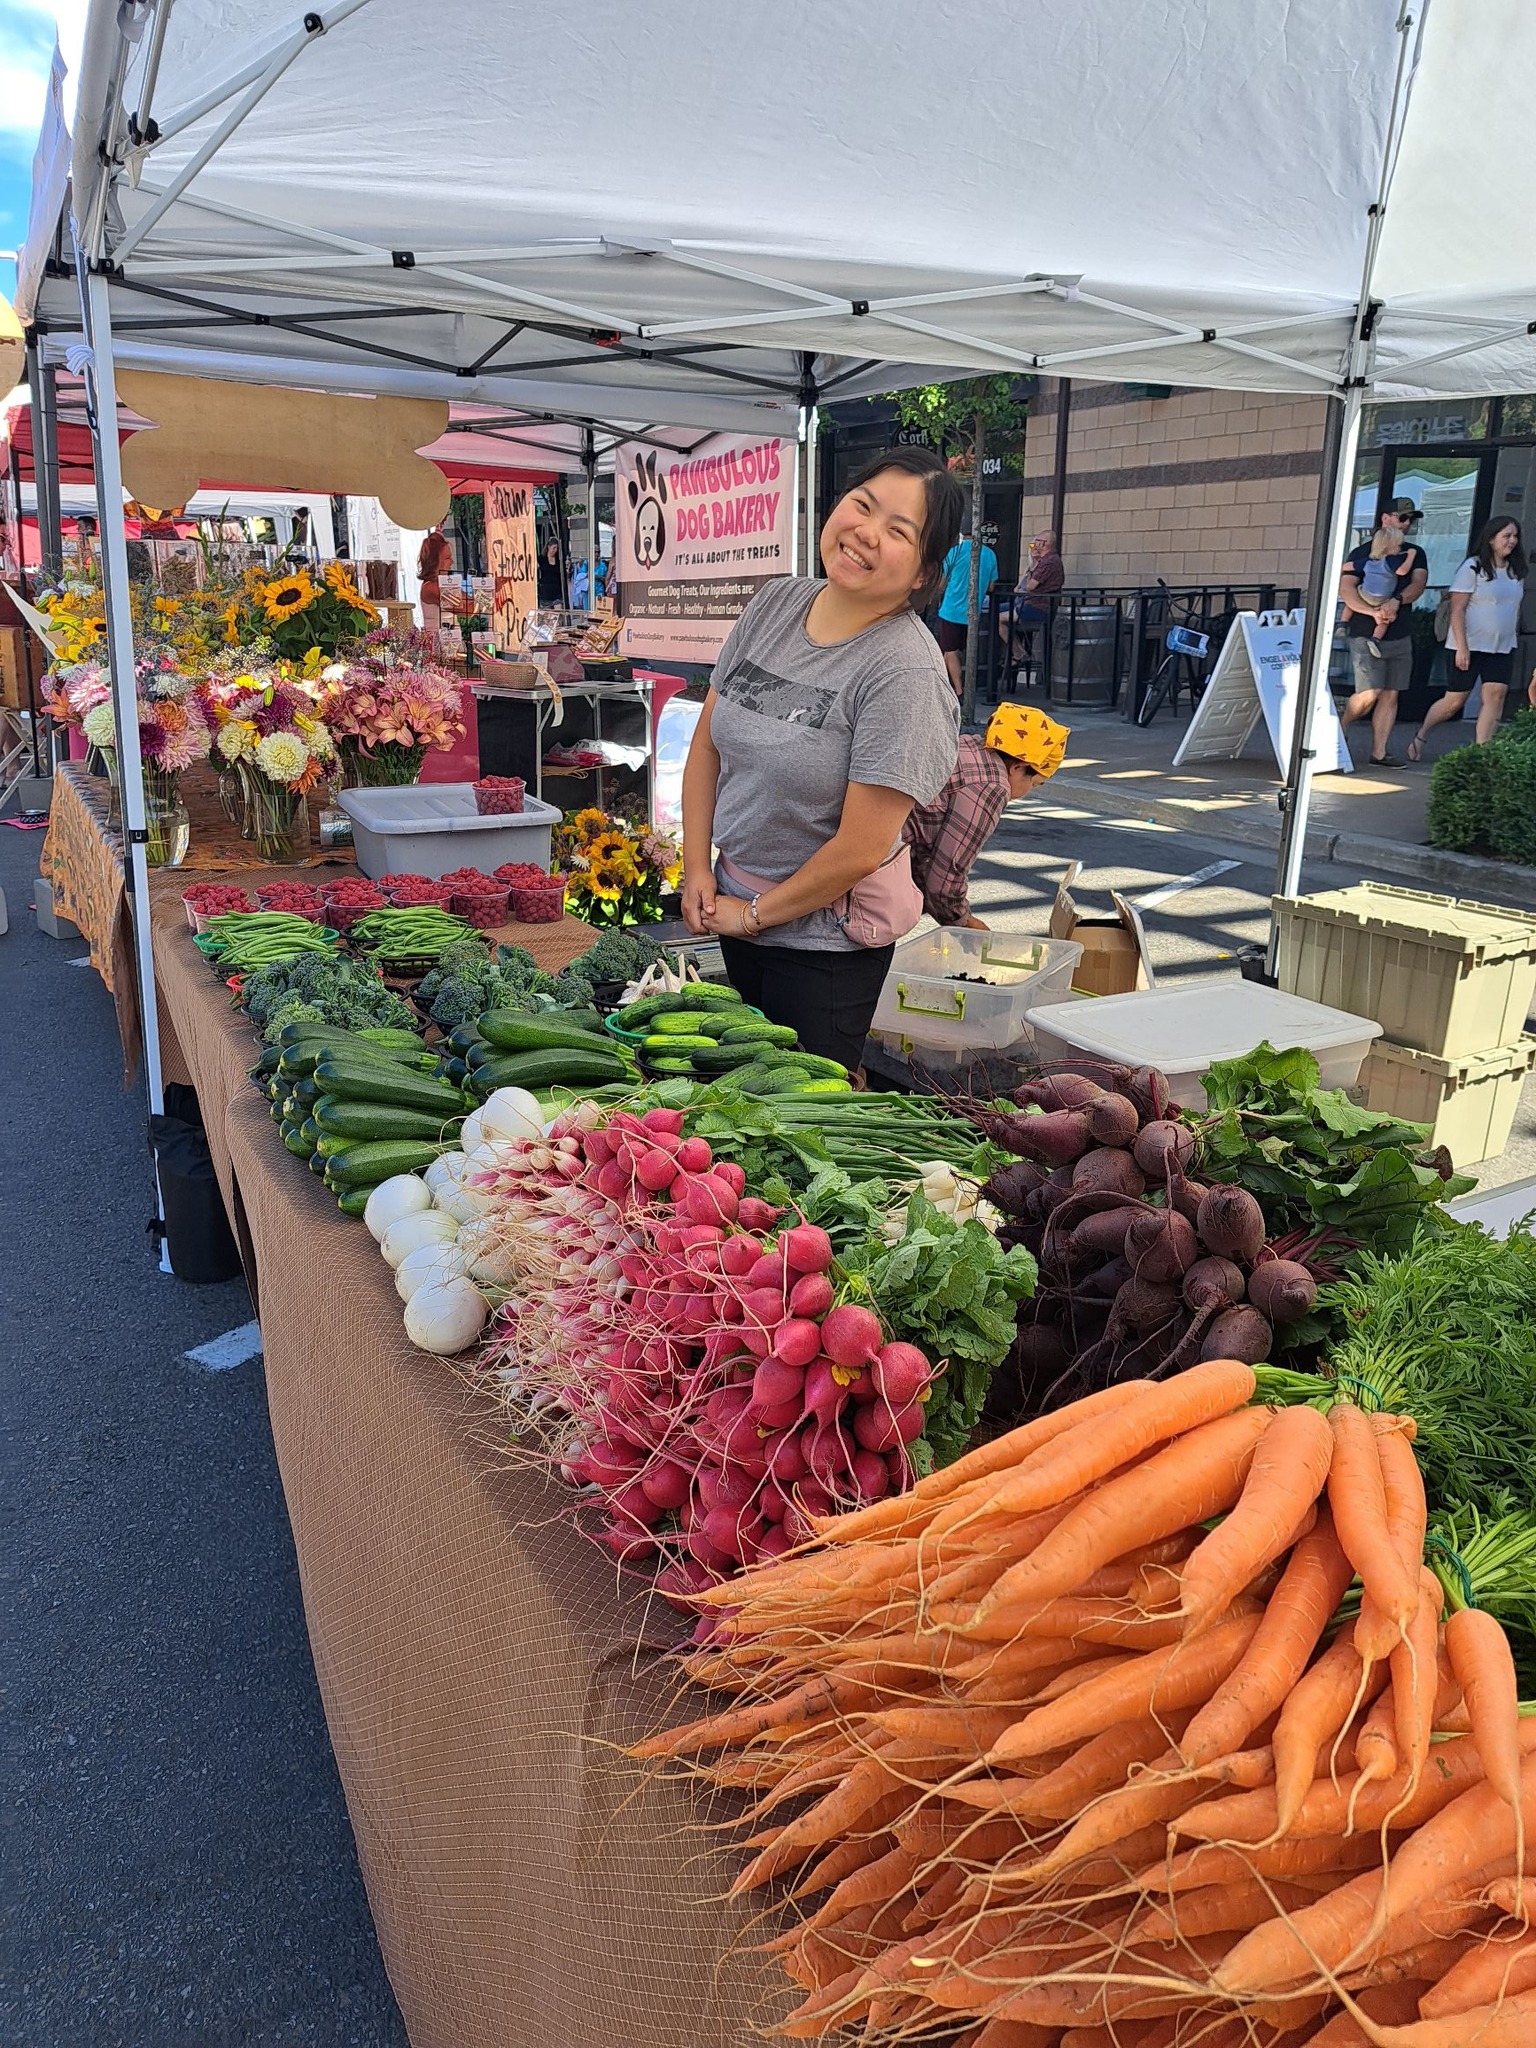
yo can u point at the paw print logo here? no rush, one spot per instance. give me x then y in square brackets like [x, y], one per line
[648, 496]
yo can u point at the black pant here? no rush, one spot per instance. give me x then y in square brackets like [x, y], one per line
[826, 998]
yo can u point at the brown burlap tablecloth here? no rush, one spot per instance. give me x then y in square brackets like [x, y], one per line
[478, 1664]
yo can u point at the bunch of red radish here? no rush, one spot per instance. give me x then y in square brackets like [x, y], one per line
[732, 1398]
[1143, 1269]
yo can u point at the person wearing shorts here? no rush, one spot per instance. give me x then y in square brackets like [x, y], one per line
[1484, 635]
[952, 630]
[1382, 656]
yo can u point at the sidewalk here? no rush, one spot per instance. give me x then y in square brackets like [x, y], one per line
[1372, 819]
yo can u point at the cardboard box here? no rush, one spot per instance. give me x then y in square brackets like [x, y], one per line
[13, 667]
[1114, 961]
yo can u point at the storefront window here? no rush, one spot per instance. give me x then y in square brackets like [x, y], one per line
[1367, 489]
[1424, 420]
[1444, 487]
[1517, 415]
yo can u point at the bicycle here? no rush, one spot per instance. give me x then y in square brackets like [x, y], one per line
[1186, 650]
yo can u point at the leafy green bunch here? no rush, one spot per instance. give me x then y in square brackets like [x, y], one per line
[1314, 1160]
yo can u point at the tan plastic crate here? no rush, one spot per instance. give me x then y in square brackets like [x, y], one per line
[1444, 976]
[1469, 1103]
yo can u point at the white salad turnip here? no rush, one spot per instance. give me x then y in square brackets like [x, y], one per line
[403, 1195]
[445, 1316]
[427, 1263]
[509, 1113]
[429, 1226]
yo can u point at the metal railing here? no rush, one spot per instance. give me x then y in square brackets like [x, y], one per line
[1099, 643]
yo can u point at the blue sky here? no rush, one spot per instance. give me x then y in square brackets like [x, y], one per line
[27, 30]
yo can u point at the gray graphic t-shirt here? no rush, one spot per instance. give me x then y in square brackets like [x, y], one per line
[796, 723]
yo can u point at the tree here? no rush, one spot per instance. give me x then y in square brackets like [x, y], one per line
[958, 418]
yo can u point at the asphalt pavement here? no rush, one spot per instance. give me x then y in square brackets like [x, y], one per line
[178, 1865]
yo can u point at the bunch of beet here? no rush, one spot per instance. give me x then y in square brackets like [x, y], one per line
[1143, 1269]
[741, 1399]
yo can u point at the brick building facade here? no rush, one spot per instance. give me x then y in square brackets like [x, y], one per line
[1193, 486]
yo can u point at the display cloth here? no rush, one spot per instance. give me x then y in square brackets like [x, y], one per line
[479, 1667]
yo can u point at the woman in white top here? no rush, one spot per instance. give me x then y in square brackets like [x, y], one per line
[1485, 596]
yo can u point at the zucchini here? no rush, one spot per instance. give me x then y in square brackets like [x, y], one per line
[266, 1066]
[299, 1060]
[299, 1146]
[355, 1200]
[312, 1132]
[697, 995]
[359, 1120]
[356, 1080]
[306, 1092]
[759, 1029]
[386, 1035]
[461, 1038]
[560, 1066]
[317, 1165]
[456, 1071]
[513, 1031]
[366, 1164]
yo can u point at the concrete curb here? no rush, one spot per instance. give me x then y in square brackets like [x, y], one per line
[1451, 874]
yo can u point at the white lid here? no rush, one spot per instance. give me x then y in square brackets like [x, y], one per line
[1187, 1027]
[435, 807]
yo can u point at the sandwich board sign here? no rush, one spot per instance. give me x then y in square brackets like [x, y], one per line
[1258, 675]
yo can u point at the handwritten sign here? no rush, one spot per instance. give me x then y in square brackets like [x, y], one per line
[511, 546]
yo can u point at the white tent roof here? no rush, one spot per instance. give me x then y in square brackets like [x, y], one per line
[582, 207]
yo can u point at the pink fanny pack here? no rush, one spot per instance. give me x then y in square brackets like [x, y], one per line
[875, 912]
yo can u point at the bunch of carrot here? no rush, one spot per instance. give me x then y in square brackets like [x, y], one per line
[1089, 1740]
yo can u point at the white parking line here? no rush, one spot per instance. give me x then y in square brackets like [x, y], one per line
[223, 1354]
[83, 960]
[1155, 896]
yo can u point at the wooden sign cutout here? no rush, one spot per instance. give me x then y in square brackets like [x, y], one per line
[269, 437]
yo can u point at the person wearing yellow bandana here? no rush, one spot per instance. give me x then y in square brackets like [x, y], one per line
[1021, 749]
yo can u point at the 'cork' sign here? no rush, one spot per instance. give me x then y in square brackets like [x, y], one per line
[266, 437]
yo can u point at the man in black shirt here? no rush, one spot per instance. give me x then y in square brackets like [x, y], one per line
[1381, 581]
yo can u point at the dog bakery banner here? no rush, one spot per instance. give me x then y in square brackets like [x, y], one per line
[511, 552]
[697, 535]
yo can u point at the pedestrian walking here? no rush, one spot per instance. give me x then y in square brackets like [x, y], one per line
[828, 717]
[1380, 636]
[433, 563]
[1021, 749]
[955, 604]
[1485, 596]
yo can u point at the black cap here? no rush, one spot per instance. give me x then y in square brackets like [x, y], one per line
[1405, 508]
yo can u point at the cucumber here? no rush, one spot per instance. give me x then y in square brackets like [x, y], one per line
[697, 995]
[824, 1084]
[358, 1120]
[560, 1066]
[786, 1080]
[821, 1069]
[759, 1029]
[666, 1042]
[356, 1080]
[512, 1031]
[300, 1147]
[366, 1164]
[753, 1079]
[355, 1200]
[719, 1059]
[680, 1067]
[684, 1020]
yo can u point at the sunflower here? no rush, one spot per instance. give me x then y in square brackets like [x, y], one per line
[287, 595]
[590, 822]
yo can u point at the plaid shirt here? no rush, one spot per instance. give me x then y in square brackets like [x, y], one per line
[947, 835]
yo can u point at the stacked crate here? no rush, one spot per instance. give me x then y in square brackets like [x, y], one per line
[1450, 982]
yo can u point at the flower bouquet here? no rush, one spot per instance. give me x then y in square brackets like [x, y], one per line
[297, 609]
[173, 734]
[274, 738]
[616, 869]
[384, 720]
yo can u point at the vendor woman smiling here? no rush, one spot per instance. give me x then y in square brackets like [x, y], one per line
[829, 716]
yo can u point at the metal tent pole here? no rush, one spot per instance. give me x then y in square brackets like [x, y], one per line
[589, 464]
[812, 487]
[43, 378]
[1329, 534]
[794, 499]
[101, 383]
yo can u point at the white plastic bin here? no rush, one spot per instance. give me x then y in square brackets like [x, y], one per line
[433, 827]
[923, 1002]
[1184, 1030]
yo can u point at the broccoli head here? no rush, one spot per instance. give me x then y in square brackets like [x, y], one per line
[292, 1011]
[572, 991]
[459, 999]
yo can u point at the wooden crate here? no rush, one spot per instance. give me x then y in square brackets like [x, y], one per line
[13, 667]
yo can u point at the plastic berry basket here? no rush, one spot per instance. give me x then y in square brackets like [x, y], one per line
[485, 908]
[499, 796]
[531, 905]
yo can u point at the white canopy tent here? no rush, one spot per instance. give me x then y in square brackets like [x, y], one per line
[695, 216]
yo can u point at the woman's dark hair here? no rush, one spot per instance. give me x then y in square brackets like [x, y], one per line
[1482, 548]
[941, 522]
